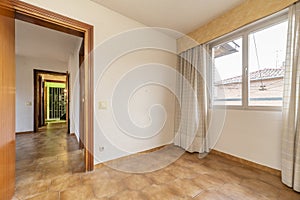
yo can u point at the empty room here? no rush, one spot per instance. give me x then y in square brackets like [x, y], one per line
[137, 99]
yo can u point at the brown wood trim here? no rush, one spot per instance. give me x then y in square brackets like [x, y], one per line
[67, 87]
[99, 165]
[7, 103]
[24, 132]
[43, 23]
[40, 71]
[24, 9]
[49, 16]
[35, 102]
[53, 81]
[40, 80]
[89, 47]
[7, 5]
[6, 9]
[270, 170]
[45, 103]
[81, 122]
[151, 150]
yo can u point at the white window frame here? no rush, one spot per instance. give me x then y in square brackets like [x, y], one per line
[244, 33]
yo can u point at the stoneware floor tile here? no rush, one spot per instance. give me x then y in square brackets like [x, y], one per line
[238, 192]
[185, 187]
[46, 196]
[161, 177]
[108, 188]
[211, 195]
[261, 187]
[49, 165]
[208, 182]
[128, 195]
[64, 182]
[31, 189]
[227, 176]
[182, 172]
[118, 175]
[245, 172]
[215, 164]
[78, 193]
[137, 182]
[288, 194]
[95, 177]
[156, 192]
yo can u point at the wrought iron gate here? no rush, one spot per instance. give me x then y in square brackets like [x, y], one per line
[57, 103]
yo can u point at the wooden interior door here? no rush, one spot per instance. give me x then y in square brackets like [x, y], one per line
[7, 103]
[45, 103]
[42, 100]
[68, 101]
[35, 101]
[40, 114]
[81, 95]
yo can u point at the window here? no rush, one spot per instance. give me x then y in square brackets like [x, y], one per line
[248, 65]
[267, 49]
[228, 72]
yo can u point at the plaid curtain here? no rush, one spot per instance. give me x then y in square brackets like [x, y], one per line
[191, 108]
[291, 104]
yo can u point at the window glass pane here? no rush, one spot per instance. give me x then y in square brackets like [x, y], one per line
[267, 49]
[227, 73]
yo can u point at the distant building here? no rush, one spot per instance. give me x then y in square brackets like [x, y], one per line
[266, 87]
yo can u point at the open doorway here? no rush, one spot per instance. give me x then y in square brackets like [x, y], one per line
[48, 75]
[51, 99]
[10, 10]
[53, 21]
[47, 64]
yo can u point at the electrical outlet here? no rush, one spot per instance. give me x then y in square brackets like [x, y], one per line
[101, 149]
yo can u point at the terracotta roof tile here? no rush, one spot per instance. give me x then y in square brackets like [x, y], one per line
[267, 73]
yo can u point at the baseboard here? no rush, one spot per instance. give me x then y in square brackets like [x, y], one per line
[25, 132]
[270, 170]
[99, 165]
[151, 150]
[219, 153]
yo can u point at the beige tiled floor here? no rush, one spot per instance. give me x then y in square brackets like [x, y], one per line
[49, 166]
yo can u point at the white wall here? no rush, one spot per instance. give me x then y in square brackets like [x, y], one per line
[24, 87]
[252, 135]
[74, 91]
[109, 132]
[138, 117]
[106, 24]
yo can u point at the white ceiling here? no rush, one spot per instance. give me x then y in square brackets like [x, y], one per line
[37, 41]
[180, 15]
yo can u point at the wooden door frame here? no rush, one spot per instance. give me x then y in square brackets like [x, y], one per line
[7, 104]
[39, 16]
[68, 101]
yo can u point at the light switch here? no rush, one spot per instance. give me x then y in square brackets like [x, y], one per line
[102, 105]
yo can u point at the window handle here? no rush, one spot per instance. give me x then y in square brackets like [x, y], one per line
[246, 71]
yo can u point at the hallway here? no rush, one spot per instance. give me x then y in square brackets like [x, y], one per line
[42, 157]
